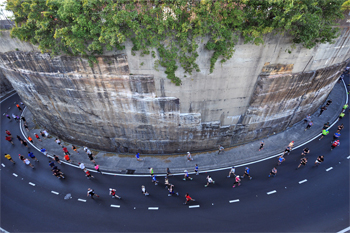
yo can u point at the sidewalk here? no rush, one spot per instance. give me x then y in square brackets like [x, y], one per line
[235, 156]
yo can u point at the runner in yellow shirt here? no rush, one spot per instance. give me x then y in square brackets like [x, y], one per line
[8, 156]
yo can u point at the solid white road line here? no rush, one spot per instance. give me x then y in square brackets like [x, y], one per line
[14, 174]
[272, 192]
[115, 206]
[303, 181]
[54, 192]
[2, 230]
[348, 157]
[3, 165]
[194, 206]
[232, 201]
[344, 230]
[328, 169]
[81, 200]
[153, 208]
[32, 184]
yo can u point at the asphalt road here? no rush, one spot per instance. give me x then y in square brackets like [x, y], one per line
[319, 204]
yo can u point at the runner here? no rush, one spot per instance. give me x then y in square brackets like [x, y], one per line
[287, 150]
[237, 181]
[24, 142]
[82, 166]
[307, 118]
[46, 133]
[55, 157]
[26, 126]
[58, 141]
[322, 110]
[9, 139]
[154, 180]
[97, 167]
[42, 134]
[328, 102]
[325, 132]
[19, 138]
[172, 191]
[65, 150]
[166, 182]
[336, 136]
[309, 125]
[91, 158]
[23, 119]
[209, 181]
[8, 133]
[8, 156]
[88, 175]
[326, 125]
[43, 150]
[19, 107]
[189, 157]
[27, 162]
[335, 144]
[188, 198]
[273, 172]
[37, 137]
[21, 157]
[144, 192]
[305, 152]
[281, 159]
[31, 155]
[261, 145]
[30, 139]
[342, 114]
[186, 176]
[150, 171]
[232, 172]
[91, 193]
[246, 173]
[14, 117]
[113, 193]
[168, 173]
[196, 169]
[8, 117]
[319, 160]
[303, 162]
[345, 106]
[57, 172]
[138, 157]
[221, 149]
[66, 157]
[51, 164]
[340, 127]
[75, 149]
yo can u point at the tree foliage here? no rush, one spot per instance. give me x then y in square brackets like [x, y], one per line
[171, 28]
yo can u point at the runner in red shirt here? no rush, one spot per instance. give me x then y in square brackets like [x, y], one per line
[8, 138]
[37, 137]
[66, 157]
[8, 133]
[65, 150]
[188, 198]
[335, 144]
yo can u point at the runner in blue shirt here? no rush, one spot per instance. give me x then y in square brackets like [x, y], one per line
[246, 173]
[336, 136]
[31, 155]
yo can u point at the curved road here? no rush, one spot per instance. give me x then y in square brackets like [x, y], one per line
[309, 199]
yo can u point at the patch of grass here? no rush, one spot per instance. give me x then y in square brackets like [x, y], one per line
[109, 154]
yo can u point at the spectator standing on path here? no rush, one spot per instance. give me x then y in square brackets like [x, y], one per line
[154, 180]
[189, 157]
[196, 169]
[26, 126]
[138, 157]
[246, 173]
[209, 181]
[65, 150]
[340, 127]
[55, 157]
[232, 172]
[305, 151]
[8, 133]
[309, 125]
[24, 142]
[237, 181]
[113, 193]
[27, 162]
[58, 141]
[43, 150]
[186, 176]
[336, 136]
[281, 159]
[273, 172]
[325, 132]
[8, 117]
[30, 139]
[151, 170]
[221, 149]
[319, 160]
[322, 110]
[31, 155]
[91, 193]
[341, 115]
[37, 137]
[8, 156]
[335, 144]
[143, 190]
[307, 118]
[261, 145]
[82, 166]
[303, 162]
[328, 102]
[9, 139]
[75, 149]
[188, 199]
[97, 167]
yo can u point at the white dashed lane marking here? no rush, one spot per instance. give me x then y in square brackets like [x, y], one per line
[272, 192]
[14, 174]
[194, 206]
[153, 208]
[303, 181]
[81, 200]
[3, 165]
[32, 184]
[115, 206]
[54, 192]
[348, 157]
[328, 169]
[232, 201]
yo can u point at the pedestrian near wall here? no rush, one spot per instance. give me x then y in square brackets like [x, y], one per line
[75, 149]
[196, 169]
[246, 173]
[307, 118]
[261, 145]
[328, 102]
[37, 137]
[221, 149]
[309, 125]
[138, 157]
[322, 110]
[8, 156]
[189, 157]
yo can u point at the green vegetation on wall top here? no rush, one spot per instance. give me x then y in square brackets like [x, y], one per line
[170, 28]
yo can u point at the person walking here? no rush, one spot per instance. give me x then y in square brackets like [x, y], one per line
[37, 137]
[307, 118]
[309, 125]
[24, 143]
[237, 181]
[319, 160]
[91, 193]
[273, 172]
[43, 150]
[138, 157]
[328, 102]
[188, 199]
[143, 190]
[75, 149]
[232, 172]
[31, 155]
[246, 173]
[97, 168]
[9, 139]
[209, 181]
[281, 159]
[58, 141]
[113, 193]
[221, 149]
[8, 156]
[335, 144]
[65, 150]
[186, 176]
[325, 132]
[27, 162]
[55, 157]
[336, 136]
[322, 110]
[189, 157]
[303, 161]
[305, 152]
[261, 145]
[196, 169]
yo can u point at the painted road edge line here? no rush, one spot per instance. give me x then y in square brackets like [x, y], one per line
[194, 206]
[344, 230]
[232, 201]
[32, 184]
[81, 200]
[115, 206]
[303, 181]
[348, 157]
[4, 164]
[55, 192]
[328, 169]
[14, 174]
[153, 208]
[272, 192]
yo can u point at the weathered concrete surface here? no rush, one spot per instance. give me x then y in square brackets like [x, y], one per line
[119, 105]
[5, 85]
